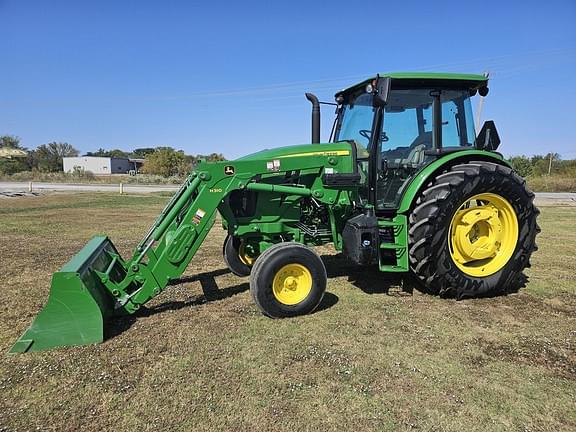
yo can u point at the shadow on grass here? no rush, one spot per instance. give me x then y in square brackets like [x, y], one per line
[327, 302]
[369, 279]
[209, 288]
[372, 281]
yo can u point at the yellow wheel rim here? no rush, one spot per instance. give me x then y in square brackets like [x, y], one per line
[244, 256]
[292, 284]
[483, 234]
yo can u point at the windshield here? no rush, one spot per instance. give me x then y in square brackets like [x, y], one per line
[356, 122]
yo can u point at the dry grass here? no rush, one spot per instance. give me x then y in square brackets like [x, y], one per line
[376, 356]
[553, 183]
[88, 177]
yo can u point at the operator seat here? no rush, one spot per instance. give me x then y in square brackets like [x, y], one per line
[362, 156]
[361, 151]
[416, 153]
[415, 157]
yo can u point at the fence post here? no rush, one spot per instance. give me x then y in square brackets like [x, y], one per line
[121, 188]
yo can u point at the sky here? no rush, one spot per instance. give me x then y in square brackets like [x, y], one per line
[229, 76]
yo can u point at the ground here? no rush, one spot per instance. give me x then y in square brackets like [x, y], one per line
[376, 356]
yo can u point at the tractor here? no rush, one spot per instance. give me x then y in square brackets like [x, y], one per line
[404, 183]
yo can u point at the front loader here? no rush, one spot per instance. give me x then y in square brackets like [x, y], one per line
[405, 184]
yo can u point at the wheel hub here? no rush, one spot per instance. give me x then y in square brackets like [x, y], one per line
[477, 234]
[483, 234]
[246, 254]
[292, 284]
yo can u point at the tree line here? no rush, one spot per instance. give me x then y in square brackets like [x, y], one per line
[163, 161]
[169, 162]
[540, 165]
[45, 158]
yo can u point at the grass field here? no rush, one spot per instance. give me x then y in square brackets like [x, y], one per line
[376, 356]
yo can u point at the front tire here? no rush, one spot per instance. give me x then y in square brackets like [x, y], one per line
[287, 280]
[472, 231]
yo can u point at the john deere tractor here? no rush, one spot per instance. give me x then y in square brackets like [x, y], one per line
[404, 183]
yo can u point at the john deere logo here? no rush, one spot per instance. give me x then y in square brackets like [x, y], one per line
[229, 170]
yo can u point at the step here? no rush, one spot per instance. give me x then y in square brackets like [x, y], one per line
[389, 223]
[392, 246]
[393, 268]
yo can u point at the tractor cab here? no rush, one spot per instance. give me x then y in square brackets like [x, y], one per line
[401, 122]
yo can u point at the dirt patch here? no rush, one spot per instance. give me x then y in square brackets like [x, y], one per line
[558, 356]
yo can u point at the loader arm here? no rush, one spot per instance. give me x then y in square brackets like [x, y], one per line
[98, 283]
[176, 236]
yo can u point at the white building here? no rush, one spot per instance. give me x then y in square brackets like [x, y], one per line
[102, 165]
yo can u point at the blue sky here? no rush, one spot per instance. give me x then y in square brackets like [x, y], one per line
[229, 77]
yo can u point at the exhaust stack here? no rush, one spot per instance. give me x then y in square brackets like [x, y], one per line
[315, 117]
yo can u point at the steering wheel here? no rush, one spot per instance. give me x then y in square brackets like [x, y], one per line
[367, 134]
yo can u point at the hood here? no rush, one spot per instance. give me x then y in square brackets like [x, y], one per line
[342, 148]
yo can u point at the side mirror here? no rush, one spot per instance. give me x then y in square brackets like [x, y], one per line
[382, 91]
[488, 138]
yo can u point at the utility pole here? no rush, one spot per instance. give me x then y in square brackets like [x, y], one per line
[550, 164]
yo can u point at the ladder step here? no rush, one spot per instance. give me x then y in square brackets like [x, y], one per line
[392, 246]
[393, 268]
[386, 223]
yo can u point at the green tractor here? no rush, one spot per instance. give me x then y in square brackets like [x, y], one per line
[404, 183]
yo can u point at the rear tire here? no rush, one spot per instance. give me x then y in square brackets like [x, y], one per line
[435, 245]
[288, 279]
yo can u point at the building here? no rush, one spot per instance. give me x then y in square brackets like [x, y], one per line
[103, 165]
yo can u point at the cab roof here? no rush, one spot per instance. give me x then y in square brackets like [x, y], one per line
[423, 79]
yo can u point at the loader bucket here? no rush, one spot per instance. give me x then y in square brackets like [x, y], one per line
[78, 304]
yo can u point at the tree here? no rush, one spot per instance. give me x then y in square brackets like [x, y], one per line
[521, 165]
[141, 153]
[214, 157]
[167, 162]
[12, 165]
[540, 164]
[99, 153]
[48, 157]
[116, 153]
[10, 141]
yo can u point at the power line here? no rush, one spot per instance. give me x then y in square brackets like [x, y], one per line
[503, 66]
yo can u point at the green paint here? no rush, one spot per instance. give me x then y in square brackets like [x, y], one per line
[471, 80]
[266, 197]
[419, 180]
[399, 226]
[77, 305]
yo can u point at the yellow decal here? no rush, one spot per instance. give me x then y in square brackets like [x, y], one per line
[320, 153]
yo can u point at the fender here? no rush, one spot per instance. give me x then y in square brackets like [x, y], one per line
[419, 180]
